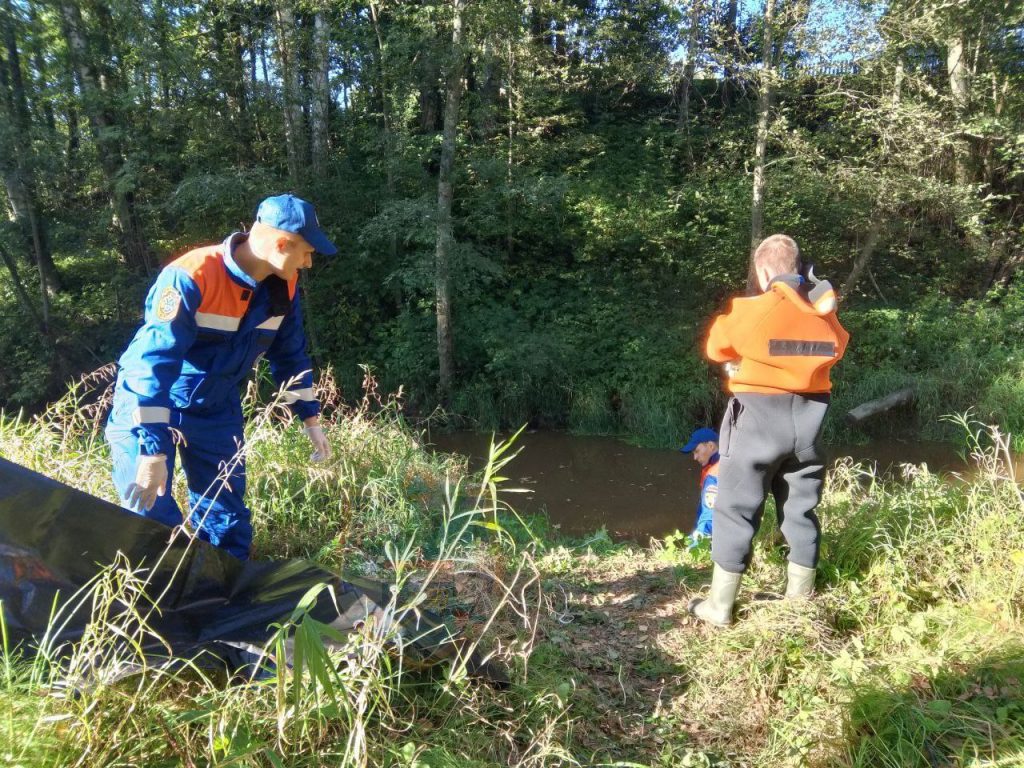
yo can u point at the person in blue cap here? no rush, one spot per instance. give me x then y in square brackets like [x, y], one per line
[703, 444]
[209, 316]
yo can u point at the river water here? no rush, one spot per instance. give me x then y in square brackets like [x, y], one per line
[583, 483]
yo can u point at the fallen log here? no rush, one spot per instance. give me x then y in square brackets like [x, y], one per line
[874, 407]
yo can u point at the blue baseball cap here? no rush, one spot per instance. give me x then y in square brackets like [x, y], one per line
[292, 214]
[701, 435]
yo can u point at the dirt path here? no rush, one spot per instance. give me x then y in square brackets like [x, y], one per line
[621, 622]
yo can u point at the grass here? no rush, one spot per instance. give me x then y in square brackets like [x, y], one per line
[909, 656]
[912, 654]
[377, 506]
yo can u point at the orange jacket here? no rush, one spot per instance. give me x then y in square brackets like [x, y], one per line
[783, 340]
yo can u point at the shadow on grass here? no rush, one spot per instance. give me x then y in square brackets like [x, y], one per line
[965, 715]
[603, 650]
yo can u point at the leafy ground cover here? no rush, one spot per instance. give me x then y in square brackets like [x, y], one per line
[911, 654]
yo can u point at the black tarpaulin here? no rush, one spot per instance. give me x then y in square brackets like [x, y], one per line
[55, 539]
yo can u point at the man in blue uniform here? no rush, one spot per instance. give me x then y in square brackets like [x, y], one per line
[703, 444]
[208, 317]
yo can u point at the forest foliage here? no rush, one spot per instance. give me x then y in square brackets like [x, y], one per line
[608, 164]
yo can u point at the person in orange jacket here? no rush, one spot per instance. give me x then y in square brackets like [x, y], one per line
[778, 349]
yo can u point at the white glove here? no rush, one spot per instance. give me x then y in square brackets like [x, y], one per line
[150, 482]
[321, 447]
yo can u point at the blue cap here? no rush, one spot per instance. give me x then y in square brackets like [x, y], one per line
[701, 435]
[292, 214]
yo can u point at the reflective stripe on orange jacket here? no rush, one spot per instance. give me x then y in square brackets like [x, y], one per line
[783, 340]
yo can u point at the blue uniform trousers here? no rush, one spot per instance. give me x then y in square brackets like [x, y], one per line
[215, 474]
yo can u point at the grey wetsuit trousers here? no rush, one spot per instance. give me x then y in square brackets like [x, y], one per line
[769, 443]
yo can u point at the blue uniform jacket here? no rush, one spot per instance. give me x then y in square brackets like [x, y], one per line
[206, 323]
[708, 495]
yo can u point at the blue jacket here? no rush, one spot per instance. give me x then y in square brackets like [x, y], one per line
[708, 495]
[206, 323]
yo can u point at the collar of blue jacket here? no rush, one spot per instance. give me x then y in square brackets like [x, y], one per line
[236, 271]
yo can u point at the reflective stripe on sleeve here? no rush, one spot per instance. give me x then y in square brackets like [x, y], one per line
[151, 415]
[271, 324]
[294, 395]
[217, 322]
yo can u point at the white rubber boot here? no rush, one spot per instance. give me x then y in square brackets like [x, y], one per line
[799, 581]
[716, 608]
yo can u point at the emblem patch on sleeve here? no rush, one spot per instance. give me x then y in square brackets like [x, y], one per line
[710, 496]
[168, 303]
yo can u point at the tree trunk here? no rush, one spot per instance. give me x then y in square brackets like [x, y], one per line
[72, 172]
[255, 44]
[133, 246]
[692, 36]
[897, 88]
[263, 62]
[488, 91]
[864, 256]
[960, 90]
[23, 208]
[294, 126]
[320, 100]
[764, 106]
[968, 153]
[141, 82]
[729, 46]
[445, 237]
[21, 178]
[959, 75]
[558, 34]
[253, 57]
[882, 210]
[430, 96]
[161, 24]
[45, 100]
[390, 150]
[230, 47]
[23, 298]
[510, 208]
[245, 127]
[428, 76]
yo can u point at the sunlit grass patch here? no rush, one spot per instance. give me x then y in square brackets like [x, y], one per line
[351, 700]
